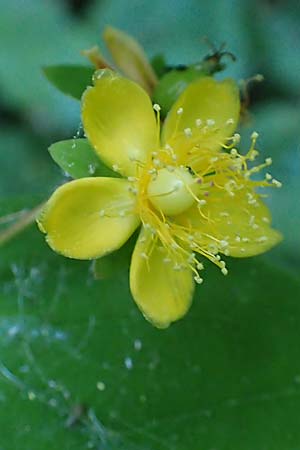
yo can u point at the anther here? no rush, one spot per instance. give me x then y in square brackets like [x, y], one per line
[259, 77]
[276, 183]
[156, 107]
[254, 135]
[223, 243]
[198, 279]
[262, 239]
[236, 138]
[268, 176]
[268, 161]
[188, 132]
[224, 271]
[179, 111]
[210, 122]
[198, 122]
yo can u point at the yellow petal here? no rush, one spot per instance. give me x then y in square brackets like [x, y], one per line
[162, 293]
[130, 58]
[90, 217]
[238, 225]
[205, 114]
[119, 121]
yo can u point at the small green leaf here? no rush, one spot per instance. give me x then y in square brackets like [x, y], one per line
[70, 79]
[171, 85]
[78, 159]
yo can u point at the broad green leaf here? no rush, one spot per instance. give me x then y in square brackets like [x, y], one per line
[78, 159]
[81, 367]
[70, 79]
[25, 166]
[110, 266]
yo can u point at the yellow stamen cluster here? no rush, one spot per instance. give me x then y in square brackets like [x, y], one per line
[165, 189]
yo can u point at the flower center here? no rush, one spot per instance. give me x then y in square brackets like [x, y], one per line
[172, 190]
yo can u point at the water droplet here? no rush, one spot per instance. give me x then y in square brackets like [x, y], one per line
[31, 395]
[101, 386]
[137, 344]
[128, 363]
[53, 402]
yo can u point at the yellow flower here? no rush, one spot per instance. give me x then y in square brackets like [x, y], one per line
[189, 188]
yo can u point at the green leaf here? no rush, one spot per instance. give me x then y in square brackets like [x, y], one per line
[112, 265]
[78, 159]
[70, 79]
[25, 164]
[81, 367]
[159, 64]
[171, 85]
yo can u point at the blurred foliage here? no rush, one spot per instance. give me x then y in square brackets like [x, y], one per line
[77, 350]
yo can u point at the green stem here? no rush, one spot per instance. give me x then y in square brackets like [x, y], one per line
[26, 219]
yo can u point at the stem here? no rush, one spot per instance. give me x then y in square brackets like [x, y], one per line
[26, 219]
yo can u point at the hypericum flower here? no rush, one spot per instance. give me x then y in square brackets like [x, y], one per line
[190, 190]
